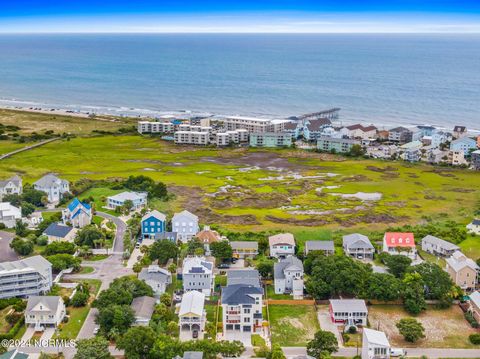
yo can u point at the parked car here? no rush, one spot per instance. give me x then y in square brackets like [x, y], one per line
[223, 266]
[95, 330]
[397, 352]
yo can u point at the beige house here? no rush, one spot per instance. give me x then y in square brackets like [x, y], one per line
[475, 305]
[44, 311]
[462, 270]
[244, 249]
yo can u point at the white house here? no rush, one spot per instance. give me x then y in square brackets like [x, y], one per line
[192, 315]
[438, 247]
[53, 186]
[138, 199]
[197, 274]
[11, 185]
[281, 245]
[358, 246]
[375, 345]
[77, 213]
[44, 311]
[9, 215]
[288, 277]
[157, 278]
[349, 312]
[186, 225]
[474, 227]
[327, 247]
[400, 243]
[25, 277]
[143, 308]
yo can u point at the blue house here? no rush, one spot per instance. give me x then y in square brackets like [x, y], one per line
[78, 214]
[153, 222]
[464, 144]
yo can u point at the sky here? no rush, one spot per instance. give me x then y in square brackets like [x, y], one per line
[245, 16]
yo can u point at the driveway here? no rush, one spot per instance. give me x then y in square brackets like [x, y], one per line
[120, 233]
[326, 324]
[48, 333]
[28, 333]
[7, 254]
[245, 338]
[240, 264]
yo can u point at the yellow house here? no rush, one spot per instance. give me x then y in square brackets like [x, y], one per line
[462, 270]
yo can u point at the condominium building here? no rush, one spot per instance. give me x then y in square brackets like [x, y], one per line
[25, 277]
[253, 124]
[339, 145]
[192, 138]
[270, 139]
[155, 127]
[228, 137]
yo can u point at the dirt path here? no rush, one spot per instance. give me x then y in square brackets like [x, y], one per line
[10, 154]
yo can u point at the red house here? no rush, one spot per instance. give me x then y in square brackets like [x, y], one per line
[400, 243]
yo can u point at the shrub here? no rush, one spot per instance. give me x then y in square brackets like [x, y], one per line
[474, 338]
[471, 320]
[80, 299]
[352, 330]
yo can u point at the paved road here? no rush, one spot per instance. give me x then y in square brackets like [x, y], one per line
[121, 229]
[7, 254]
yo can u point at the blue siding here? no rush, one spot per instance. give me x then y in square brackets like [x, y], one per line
[152, 225]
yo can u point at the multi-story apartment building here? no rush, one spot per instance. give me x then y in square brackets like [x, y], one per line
[456, 158]
[339, 145]
[226, 138]
[155, 127]
[192, 138]
[400, 135]
[270, 139]
[197, 274]
[25, 277]
[254, 124]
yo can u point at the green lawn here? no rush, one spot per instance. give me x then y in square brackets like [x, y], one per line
[293, 325]
[86, 270]
[221, 280]
[471, 247]
[271, 293]
[97, 257]
[4, 326]
[71, 329]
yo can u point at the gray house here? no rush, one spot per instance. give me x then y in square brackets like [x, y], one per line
[157, 278]
[143, 308]
[198, 275]
[438, 247]
[53, 186]
[244, 276]
[358, 246]
[327, 247]
[11, 185]
[186, 225]
[44, 311]
[288, 277]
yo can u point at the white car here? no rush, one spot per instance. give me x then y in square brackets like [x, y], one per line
[397, 352]
[95, 331]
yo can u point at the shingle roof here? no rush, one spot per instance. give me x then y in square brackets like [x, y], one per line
[440, 242]
[192, 302]
[208, 236]
[459, 129]
[282, 238]
[289, 263]
[57, 230]
[155, 273]
[143, 306]
[357, 240]
[244, 245]
[319, 246]
[348, 305]
[49, 180]
[186, 214]
[124, 196]
[376, 337]
[50, 303]
[243, 276]
[156, 214]
[36, 262]
[239, 294]
[291, 126]
[15, 180]
[197, 265]
[316, 125]
[458, 261]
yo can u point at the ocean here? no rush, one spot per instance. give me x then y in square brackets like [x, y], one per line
[382, 79]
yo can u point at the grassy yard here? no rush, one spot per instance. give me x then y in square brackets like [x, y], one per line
[293, 325]
[444, 328]
[4, 326]
[272, 295]
[471, 247]
[85, 270]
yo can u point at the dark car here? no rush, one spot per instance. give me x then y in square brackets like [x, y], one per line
[223, 266]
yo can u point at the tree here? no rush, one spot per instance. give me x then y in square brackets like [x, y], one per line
[128, 205]
[411, 329]
[263, 245]
[413, 296]
[193, 245]
[122, 291]
[356, 151]
[137, 342]
[159, 190]
[397, 264]
[265, 268]
[27, 209]
[63, 261]
[88, 236]
[79, 299]
[221, 250]
[59, 247]
[21, 229]
[277, 352]
[115, 319]
[96, 347]
[166, 299]
[437, 282]
[384, 287]
[33, 196]
[137, 267]
[21, 246]
[163, 251]
[323, 342]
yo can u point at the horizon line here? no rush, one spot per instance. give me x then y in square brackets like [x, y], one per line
[477, 32]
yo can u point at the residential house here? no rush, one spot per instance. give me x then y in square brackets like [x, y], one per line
[249, 277]
[439, 138]
[152, 223]
[143, 308]
[337, 145]
[475, 305]
[474, 227]
[44, 311]
[462, 270]
[400, 135]
[270, 139]
[244, 249]
[78, 214]
[207, 236]
[197, 274]
[11, 185]
[313, 129]
[349, 312]
[475, 160]
[281, 245]
[166, 236]
[438, 247]
[359, 131]
[9, 215]
[25, 277]
[138, 200]
[411, 151]
[358, 246]
[460, 132]
[435, 156]
[375, 345]
[400, 243]
[34, 219]
[288, 277]
[327, 247]
[59, 232]
[292, 128]
[157, 278]
[242, 310]
[382, 151]
[186, 225]
[192, 315]
[456, 158]
[464, 144]
[53, 186]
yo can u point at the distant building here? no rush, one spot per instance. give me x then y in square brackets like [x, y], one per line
[359, 131]
[338, 145]
[439, 138]
[462, 270]
[248, 277]
[192, 138]
[59, 232]
[157, 278]
[410, 151]
[34, 219]
[207, 236]
[438, 247]
[231, 137]
[460, 132]
[313, 129]
[292, 128]
[186, 225]
[358, 246]
[327, 247]
[44, 311]
[192, 316]
[254, 124]
[138, 199]
[288, 277]
[197, 274]
[143, 308]
[152, 223]
[400, 135]
[474, 227]
[11, 185]
[77, 213]
[244, 249]
[400, 243]
[464, 144]
[9, 215]
[476, 160]
[53, 186]
[155, 127]
[270, 139]
[348, 312]
[375, 345]
[281, 245]
[25, 277]
[456, 158]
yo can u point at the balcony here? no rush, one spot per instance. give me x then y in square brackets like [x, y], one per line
[233, 312]
[233, 321]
